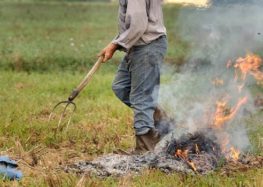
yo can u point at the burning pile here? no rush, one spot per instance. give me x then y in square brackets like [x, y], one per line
[192, 148]
[190, 154]
[197, 152]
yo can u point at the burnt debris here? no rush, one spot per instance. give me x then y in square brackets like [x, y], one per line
[196, 143]
[199, 154]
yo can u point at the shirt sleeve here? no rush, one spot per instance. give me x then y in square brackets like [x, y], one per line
[136, 22]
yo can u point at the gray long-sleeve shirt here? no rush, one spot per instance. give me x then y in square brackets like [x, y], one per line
[140, 22]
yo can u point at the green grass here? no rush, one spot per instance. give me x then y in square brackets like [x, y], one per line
[101, 124]
[45, 50]
[47, 36]
[65, 36]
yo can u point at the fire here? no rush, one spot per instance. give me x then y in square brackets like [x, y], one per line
[234, 154]
[183, 154]
[249, 65]
[192, 165]
[224, 113]
[230, 152]
[244, 66]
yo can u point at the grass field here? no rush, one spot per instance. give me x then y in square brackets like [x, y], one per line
[45, 50]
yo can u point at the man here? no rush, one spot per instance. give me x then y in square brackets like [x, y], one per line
[142, 35]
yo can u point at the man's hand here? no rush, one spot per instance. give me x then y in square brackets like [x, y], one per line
[108, 52]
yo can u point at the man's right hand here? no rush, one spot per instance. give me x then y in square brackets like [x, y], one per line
[108, 52]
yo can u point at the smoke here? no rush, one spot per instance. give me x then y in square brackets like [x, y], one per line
[216, 35]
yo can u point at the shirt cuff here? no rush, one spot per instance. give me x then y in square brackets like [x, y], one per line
[121, 46]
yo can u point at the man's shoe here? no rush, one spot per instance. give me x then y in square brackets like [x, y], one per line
[147, 141]
[144, 143]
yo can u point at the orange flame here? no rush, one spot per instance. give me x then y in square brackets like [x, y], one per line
[249, 65]
[192, 165]
[230, 152]
[224, 113]
[183, 154]
[234, 154]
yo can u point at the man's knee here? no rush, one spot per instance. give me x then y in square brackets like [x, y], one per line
[122, 93]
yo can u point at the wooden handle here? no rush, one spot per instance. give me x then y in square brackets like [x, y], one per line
[86, 80]
[88, 77]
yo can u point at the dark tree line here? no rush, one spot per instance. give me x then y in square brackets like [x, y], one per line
[225, 2]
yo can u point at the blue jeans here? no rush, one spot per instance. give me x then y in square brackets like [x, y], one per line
[137, 82]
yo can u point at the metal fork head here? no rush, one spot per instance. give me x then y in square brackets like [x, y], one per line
[66, 104]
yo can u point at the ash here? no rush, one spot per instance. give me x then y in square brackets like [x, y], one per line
[205, 159]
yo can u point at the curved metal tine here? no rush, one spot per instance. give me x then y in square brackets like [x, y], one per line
[54, 108]
[74, 109]
[63, 113]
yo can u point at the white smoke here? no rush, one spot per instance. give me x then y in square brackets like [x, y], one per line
[216, 35]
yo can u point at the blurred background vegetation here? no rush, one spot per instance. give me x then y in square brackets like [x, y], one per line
[46, 36]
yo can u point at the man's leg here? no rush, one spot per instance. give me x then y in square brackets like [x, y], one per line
[137, 84]
[145, 79]
[121, 85]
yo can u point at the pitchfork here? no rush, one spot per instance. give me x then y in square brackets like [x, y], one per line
[69, 103]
